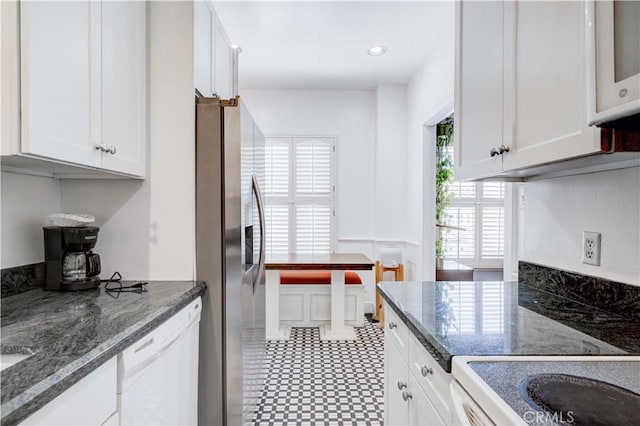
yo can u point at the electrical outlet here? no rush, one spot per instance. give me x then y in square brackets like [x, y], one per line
[591, 248]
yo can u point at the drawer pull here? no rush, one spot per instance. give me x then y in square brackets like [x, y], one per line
[426, 370]
[406, 395]
[392, 325]
[401, 385]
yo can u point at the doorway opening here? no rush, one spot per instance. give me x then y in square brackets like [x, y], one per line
[470, 219]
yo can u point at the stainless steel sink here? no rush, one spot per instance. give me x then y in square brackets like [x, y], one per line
[580, 401]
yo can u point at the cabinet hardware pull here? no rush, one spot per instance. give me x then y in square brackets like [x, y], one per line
[503, 149]
[100, 147]
[392, 325]
[401, 385]
[426, 370]
[493, 152]
[111, 149]
[622, 93]
[406, 395]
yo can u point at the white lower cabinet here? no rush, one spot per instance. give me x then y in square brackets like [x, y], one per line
[396, 377]
[421, 410]
[91, 401]
[416, 388]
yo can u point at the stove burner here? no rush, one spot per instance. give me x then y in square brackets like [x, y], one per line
[573, 400]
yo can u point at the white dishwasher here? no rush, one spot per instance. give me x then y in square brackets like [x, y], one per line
[158, 375]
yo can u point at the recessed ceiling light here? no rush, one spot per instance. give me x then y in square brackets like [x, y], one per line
[377, 50]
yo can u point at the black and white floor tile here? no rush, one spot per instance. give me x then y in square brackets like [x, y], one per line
[314, 382]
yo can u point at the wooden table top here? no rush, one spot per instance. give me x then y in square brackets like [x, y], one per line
[334, 261]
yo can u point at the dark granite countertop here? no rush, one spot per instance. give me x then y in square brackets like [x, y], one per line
[71, 334]
[506, 318]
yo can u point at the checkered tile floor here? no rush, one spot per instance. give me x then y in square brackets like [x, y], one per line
[314, 382]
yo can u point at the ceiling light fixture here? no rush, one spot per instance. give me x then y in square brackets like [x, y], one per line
[377, 50]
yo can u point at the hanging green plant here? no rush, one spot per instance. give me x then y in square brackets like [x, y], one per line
[444, 176]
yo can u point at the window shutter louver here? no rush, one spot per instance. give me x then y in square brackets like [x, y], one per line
[460, 244]
[313, 168]
[478, 207]
[299, 195]
[492, 239]
[313, 229]
[493, 190]
[276, 168]
[277, 224]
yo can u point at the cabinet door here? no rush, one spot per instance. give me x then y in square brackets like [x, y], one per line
[478, 88]
[395, 373]
[617, 58]
[91, 401]
[545, 84]
[60, 80]
[421, 410]
[222, 62]
[124, 86]
[203, 47]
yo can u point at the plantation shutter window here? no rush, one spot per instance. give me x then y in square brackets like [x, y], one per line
[478, 209]
[299, 195]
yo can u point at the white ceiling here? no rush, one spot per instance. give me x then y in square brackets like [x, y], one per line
[323, 45]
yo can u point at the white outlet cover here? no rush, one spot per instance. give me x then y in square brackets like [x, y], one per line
[591, 248]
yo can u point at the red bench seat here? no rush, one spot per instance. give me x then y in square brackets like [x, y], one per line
[316, 277]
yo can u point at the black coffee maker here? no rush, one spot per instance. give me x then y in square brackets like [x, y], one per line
[69, 262]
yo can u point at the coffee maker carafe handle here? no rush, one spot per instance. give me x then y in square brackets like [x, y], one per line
[93, 264]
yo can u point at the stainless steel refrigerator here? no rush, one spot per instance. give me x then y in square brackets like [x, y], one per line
[230, 248]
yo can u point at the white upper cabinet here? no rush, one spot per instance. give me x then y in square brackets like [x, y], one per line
[83, 84]
[60, 82]
[523, 89]
[613, 42]
[203, 47]
[478, 88]
[214, 66]
[224, 72]
[123, 86]
[545, 114]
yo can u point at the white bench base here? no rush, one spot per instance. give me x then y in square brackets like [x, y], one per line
[309, 305]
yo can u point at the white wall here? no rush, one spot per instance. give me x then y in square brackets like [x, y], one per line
[430, 99]
[26, 203]
[148, 228]
[390, 212]
[557, 211]
[348, 115]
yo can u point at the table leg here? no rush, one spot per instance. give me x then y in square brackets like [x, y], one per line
[338, 330]
[274, 331]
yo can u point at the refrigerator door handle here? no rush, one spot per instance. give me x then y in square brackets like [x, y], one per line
[261, 261]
